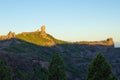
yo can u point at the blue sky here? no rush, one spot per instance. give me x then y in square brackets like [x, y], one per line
[70, 20]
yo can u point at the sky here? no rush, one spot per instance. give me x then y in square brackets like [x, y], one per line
[70, 20]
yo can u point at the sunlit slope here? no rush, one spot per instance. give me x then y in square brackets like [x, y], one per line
[39, 39]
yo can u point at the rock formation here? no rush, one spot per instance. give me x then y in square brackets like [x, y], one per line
[108, 42]
[8, 36]
[43, 29]
[43, 33]
[11, 35]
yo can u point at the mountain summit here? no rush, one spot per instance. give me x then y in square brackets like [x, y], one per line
[38, 37]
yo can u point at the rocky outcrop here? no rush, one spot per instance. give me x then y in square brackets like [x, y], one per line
[43, 29]
[8, 36]
[45, 36]
[43, 33]
[11, 35]
[108, 42]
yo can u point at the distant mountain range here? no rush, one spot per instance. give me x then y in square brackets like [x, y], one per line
[28, 52]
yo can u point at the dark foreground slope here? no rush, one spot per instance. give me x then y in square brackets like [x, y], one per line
[30, 61]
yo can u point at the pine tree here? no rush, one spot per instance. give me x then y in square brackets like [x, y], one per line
[5, 72]
[99, 69]
[56, 69]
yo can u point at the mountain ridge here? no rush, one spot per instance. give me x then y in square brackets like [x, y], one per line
[40, 37]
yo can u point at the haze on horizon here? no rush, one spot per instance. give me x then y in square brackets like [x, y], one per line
[73, 20]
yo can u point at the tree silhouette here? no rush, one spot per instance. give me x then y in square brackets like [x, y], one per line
[99, 69]
[56, 69]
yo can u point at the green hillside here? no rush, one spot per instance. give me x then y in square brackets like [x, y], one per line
[37, 38]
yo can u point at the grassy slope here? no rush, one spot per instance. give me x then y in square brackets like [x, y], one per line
[36, 38]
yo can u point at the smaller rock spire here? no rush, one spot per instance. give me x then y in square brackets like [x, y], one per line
[110, 41]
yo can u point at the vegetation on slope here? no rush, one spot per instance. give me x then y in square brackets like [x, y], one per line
[99, 69]
[34, 37]
[5, 71]
[37, 38]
